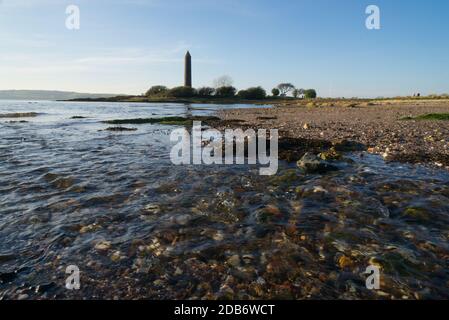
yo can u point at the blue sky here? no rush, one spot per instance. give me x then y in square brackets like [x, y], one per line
[125, 46]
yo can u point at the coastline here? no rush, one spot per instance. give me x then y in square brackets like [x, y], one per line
[195, 100]
[383, 127]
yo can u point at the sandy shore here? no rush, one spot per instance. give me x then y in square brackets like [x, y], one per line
[378, 125]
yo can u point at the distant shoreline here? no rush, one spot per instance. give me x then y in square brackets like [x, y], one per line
[280, 101]
[196, 100]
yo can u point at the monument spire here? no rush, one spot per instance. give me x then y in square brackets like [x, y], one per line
[188, 70]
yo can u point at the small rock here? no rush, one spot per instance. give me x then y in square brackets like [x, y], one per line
[116, 256]
[182, 219]
[178, 272]
[103, 245]
[226, 292]
[23, 297]
[218, 236]
[310, 163]
[332, 154]
[158, 283]
[319, 189]
[248, 258]
[89, 228]
[234, 261]
[273, 210]
[345, 262]
[153, 208]
[349, 146]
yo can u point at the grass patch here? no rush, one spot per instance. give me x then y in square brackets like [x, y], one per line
[175, 121]
[430, 116]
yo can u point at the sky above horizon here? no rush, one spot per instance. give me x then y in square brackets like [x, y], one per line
[126, 46]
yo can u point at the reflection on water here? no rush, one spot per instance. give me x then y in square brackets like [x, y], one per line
[139, 227]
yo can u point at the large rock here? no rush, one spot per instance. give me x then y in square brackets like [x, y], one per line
[349, 146]
[310, 163]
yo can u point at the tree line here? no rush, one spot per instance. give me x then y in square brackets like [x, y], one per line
[224, 89]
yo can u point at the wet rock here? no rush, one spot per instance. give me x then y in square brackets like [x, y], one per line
[234, 261]
[248, 258]
[272, 210]
[331, 154]
[310, 163]
[267, 214]
[182, 220]
[225, 293]
[349, 146]
[416, 213]
[344, 262]
[218, 236]
[178, 271]
[90, 228]
[23, 297]
[261, 281]
[319, 189]
[152, 208]
[64, 183]
[117, 256]
[103, 245]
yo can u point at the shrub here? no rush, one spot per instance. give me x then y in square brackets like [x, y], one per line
[255, 93]
[157, 91]
[225, 92]
[310, 94]
[275, 92]
[206, 92]
[182, 92]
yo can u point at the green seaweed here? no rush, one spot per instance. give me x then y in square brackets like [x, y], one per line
[430, 116]
[176, 121]
[120, 129]
[19, 115]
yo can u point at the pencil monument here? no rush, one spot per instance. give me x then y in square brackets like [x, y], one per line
[188, 70]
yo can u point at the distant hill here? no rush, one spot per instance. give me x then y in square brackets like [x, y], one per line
[48, 95]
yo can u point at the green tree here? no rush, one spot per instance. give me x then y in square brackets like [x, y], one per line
[157, 91]
[225, 92]
[275, 92]
[182, 92]
[310, 94]
[206, 92]
[255, 93]
[298, 92]
[285, 88]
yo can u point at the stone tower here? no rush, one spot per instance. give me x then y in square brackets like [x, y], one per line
[188, 70]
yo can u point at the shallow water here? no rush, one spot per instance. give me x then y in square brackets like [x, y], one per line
[139, 227]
